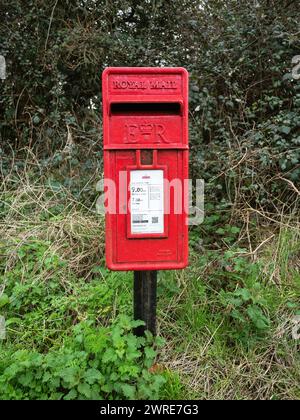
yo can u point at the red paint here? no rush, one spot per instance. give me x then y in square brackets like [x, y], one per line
[145, 108]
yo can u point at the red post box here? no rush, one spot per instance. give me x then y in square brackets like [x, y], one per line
[145, 136]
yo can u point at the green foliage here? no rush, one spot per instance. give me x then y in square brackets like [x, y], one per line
[64, 336]
[244, 103]
[246, 306]
[93, 363]
[227, 322]
[62, 340]
[173, 388]
[34, 307]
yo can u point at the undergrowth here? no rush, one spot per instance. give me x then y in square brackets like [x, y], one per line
[227, 321]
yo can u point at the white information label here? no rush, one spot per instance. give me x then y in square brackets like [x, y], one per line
[147, 201]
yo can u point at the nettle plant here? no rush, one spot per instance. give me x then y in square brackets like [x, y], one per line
[244, 299]
[95, 363]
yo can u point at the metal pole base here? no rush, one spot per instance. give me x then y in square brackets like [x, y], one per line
[145, 285]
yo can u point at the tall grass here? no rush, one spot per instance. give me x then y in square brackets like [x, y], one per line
[226, 320]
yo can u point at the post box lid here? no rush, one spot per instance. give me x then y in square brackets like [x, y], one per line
[145, 107]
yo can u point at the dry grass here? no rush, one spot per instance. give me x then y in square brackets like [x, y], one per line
[35, 211]
[259, 374]
[208, 364]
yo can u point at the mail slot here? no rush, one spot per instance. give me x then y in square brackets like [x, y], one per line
[145, 143]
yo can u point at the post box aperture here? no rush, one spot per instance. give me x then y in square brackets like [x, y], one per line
[145, 130]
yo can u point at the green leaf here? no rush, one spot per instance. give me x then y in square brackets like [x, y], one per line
[234, 229]
[69, 375]
[93, 375]
[244, 294]
[71, 395]
[258, 318]
[4, 300]
[150, 355]
[128, 391]
[285, 129]
[84, 389]
[109, 356]
[292, 305]
[26, 379]
[238, 315]
[220, 231]
[36, 119]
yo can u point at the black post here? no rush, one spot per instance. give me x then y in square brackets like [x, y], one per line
[145, 283]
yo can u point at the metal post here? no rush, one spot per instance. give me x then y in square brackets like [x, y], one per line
[145, 284]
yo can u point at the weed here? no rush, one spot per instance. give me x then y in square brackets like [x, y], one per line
[227, 319]
[94, 363]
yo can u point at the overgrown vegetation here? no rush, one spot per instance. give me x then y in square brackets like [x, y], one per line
[227, 321]
[68, 329]
[94, 363]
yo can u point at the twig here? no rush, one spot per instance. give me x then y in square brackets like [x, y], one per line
[233, 167]
[269, 218]
[253, 253]
[50, 23]
[248, 233]
[290, 183]
[263, 242]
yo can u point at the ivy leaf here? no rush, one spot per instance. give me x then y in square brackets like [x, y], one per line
[285, 129]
